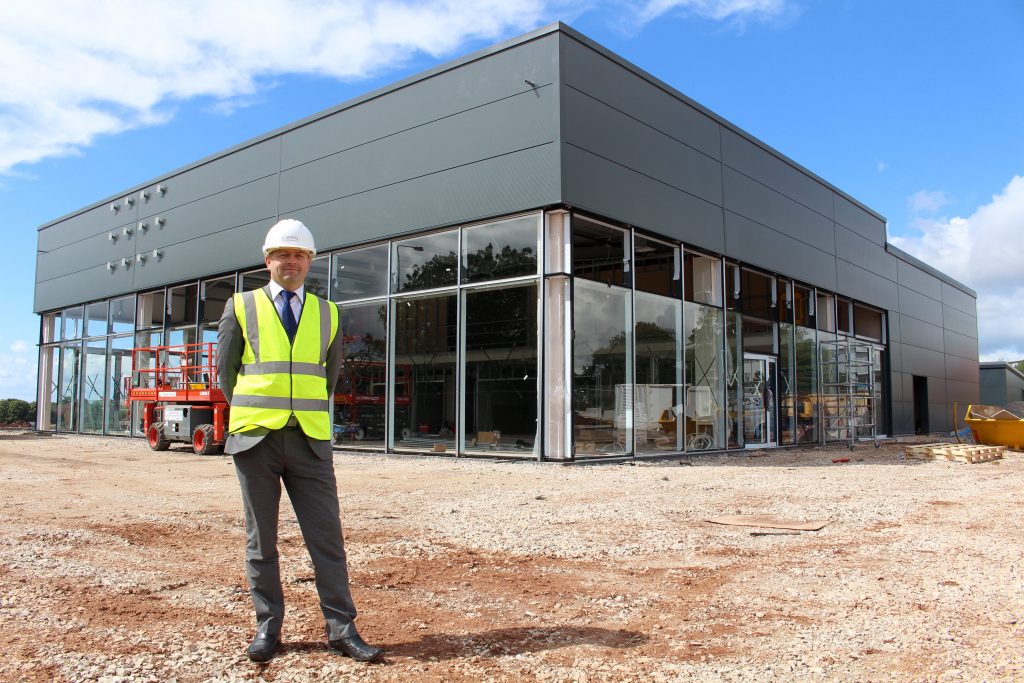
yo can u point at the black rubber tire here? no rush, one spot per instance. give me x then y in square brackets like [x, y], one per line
[155, 435]
[202, 440]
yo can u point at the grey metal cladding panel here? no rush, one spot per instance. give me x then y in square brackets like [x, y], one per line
[865, 286]
[463, 88]
[912, 277]
[893, 317]
[765, 205]
[761, 246]
[961, 369]
[902, 417]
[85, 285]
[238, 206]
[238, 168]
[226, 250]
[960, 345]
[939, 417]
[84, 225]
[596, 184]
[860, 221]
[921, 334]
[958, 321]
[86, 253]
[920, 306]
[896, 386]
[964, 393]
[763, 166]
[596, 127]
[529, 180]
[864, 253]
[615, 85]
[936, 393]
[896, 356]
[502, 127]
[924, 362]
[959, 299]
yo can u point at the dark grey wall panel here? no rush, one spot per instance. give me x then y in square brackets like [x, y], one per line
[936, 396]
[463, 194]
[238, 168]
[896, 356]
[865, 286]
[502, 127]
[761, 246]
[923, 362]
[753, 200]
[86, 253]
[768, 169]
[893, 318]
[919, 333]
[960, 322]
[602, 78]
[854, 248]
[90, 284]
[914, 278]
[588, 124]
[960, 344]
[920, 306]
[601, 186]
[959, 299]
[962, 369]
[903, 418]
[466, 87]
[860, 221]
[84, 225]
[964, 393]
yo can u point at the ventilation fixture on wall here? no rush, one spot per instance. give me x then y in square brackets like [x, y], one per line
[115, 207]
[110, 265]
[141, 258]
[126, 231]
[144, 195]
[162, 189]
[143, 225]
[159, 222]
[157, 254]
[129, 202]
[125, 262]
[112, 236]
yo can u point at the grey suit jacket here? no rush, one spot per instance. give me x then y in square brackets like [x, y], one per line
[231, 343]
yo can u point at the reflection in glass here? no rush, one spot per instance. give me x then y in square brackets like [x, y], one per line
[213, 296]
[119, 369]
[67, 398]
[425, 262]
[734, 379]
[787, 387]
[319, 274]
[96, 319]
[499, 250]
[122, 315]
[656, 267]
[181, 306]
[602, 395]
[806, 384]
[360, 274]
[598, 252]
[72, 323]
[93, 385]
[705, 376]
[423, 372]
[144, 360]
[703, 278]
[150, 310]
[255, 279]
[49, 369]
[501, 366]
[360, 397]
[658, 409]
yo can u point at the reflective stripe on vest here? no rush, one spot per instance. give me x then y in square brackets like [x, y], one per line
[279, 378]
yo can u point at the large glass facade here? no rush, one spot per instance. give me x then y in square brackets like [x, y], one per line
[94, 372]
[360, 397]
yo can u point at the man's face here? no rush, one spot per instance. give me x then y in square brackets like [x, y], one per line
[288, 267]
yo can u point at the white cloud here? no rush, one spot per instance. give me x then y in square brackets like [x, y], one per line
[738, 11]
[927, 202]
[881, 166]
[985, 252]
[18, 374]
[19, 346]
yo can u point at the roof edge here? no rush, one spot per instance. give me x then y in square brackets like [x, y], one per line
[914, 261]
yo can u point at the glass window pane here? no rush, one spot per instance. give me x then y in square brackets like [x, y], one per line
[144, 367]
[119, 370]
[844, 316]
[72, 323]
[425, 262]
[255, 279]
[213, 295]
[757, 295]
[360, 274]
[49, 369]
[602, 400]
[67, 398]
[803, 309]
[181, 307]
[867, 323]
[50, 322]
[319, 274]
[94, 385]
[151, 310]
[705, 376]
[787, 387]
[501, 365]
[122, 315]
[659, 406]
[825, 312]
[734, 383]
[360, 397]
[598, 252]
[499, 250]
[96, 319]
[656, 267]
[806, 384]
[703, 278]
[424, 373]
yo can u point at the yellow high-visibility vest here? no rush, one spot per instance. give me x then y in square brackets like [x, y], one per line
[279, 379]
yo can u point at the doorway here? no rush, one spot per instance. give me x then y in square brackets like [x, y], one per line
[921, 405]
[759, 409]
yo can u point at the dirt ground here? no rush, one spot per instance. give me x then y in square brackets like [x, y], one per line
[120, 564]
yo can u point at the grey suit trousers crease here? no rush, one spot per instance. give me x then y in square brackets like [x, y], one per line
[286, 456]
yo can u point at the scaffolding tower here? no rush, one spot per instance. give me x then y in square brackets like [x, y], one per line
[847, 406]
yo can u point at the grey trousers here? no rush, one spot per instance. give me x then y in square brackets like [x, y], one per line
[285, 456]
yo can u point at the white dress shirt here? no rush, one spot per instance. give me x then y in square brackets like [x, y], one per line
[276, 289]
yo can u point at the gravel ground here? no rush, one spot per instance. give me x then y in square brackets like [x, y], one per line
[120, 564]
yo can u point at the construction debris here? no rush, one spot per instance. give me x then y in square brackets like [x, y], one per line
[954, 451]
[769, 522]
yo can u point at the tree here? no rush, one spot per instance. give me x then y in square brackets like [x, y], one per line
[15, 410]
[1019, 365]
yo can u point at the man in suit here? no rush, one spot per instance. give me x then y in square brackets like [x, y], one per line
[279, 354]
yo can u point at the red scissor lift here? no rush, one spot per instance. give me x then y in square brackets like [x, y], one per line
[176, 387]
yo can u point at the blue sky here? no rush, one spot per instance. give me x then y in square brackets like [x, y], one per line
[915, 108]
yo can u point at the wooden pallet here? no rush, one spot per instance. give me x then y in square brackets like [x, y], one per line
[968, 453]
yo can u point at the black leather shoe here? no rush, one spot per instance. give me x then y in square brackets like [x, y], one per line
[353, 646]
[263, 647]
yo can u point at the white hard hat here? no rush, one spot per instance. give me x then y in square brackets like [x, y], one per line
[289, 233]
